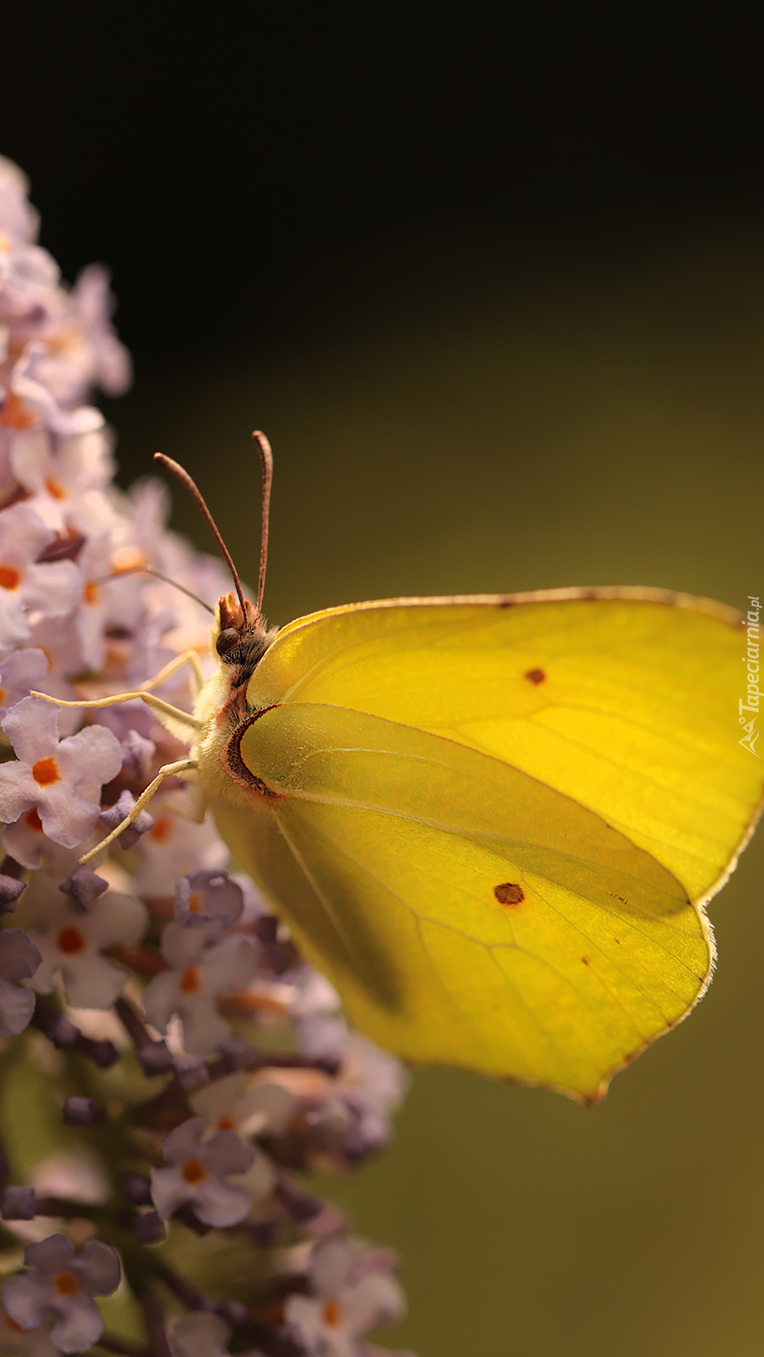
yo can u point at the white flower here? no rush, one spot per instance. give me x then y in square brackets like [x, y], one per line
[198, 1175]
[174, 847]
[26, 586]
[19, 959]
[244, 1103]
[64, 1284]
[61, 781]
[353, 1292]
[198, 974]
[70, 942]
[64, 476]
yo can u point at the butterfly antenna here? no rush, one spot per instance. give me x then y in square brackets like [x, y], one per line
[266, 461]
[182, 475]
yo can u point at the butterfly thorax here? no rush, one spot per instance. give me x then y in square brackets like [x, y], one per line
[239, 639]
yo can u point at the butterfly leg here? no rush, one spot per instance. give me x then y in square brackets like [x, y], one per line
[175, 713]
[189, 657]
[169, 770]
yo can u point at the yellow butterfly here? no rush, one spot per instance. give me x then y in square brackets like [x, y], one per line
[494, 822]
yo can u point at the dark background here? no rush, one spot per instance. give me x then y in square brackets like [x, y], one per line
[493, 281]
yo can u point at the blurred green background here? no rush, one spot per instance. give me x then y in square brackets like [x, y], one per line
[507, 420]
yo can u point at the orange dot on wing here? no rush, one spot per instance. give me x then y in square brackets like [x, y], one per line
[535, 676]
[509, 893]
[45, 772]
[10, 577]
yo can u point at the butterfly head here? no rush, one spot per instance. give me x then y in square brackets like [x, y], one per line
[241, 636]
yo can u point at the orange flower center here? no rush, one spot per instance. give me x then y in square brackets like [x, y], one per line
[127, 558]
[194, 903]
[70, 940]
[45, 772]
[33, 820]
[66, 1283]
[161, 829]
[10, 577]
[14, 413]
[90, 592]
[54, 488]
[190, 982]
[226, 1124]
[194, 1172]
[332, 1314]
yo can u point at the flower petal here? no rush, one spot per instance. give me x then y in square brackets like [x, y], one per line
[228, 1153]
[93, 755]
[18, 791]
[80, 1324]
[66, 816]
[183, 1143]
[19, 955]
[161, 1000]
[32, 728]
[219, 1204]
[98, 1268]
[91, 981]
[16, 1008]
[169, 1190]
[116, 918]
[27, 1299]
[53, 1254]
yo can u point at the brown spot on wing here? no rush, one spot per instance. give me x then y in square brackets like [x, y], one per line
[507, 893]
[535, 676]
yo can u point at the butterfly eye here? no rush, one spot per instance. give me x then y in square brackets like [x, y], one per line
[228, 638]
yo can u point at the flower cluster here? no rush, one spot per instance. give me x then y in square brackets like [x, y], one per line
[197, 1062]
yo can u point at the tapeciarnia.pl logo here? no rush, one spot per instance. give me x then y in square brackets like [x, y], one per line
[751, 702]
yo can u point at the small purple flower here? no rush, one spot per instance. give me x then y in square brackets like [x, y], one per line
[63, 476]
[70, 943]
[246, 1104]
[175, 847]
[63, 1283]
[353, 1291]
[209, 900]
[19, 959]
[26, 586]
[198, 974]
[60, 780]
[199, 1173]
